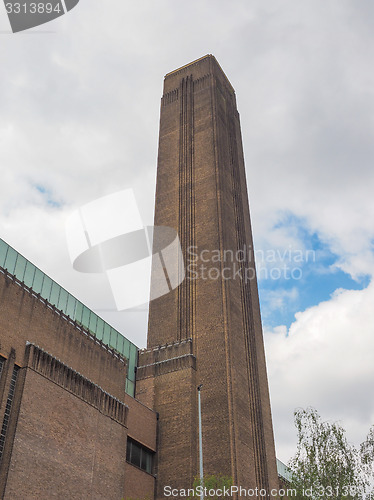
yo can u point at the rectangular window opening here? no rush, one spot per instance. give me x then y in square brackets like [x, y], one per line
[139, 455]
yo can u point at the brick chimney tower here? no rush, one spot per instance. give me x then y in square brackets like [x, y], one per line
[208, 330]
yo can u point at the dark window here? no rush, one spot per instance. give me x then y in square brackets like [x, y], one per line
[135, 454]
[139, 455]
[143, 463]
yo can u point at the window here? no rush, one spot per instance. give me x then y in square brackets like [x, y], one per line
[38, 281]
[86, 316]
[46, 288]
[33, 277]
[62, 300]
[139, 455]
[10, 261]
[19, 270]
[55, 294]
[70, 308]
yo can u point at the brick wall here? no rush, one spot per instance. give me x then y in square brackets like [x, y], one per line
[70, 416]
[167, 375]
[24, 317]
[69, 442]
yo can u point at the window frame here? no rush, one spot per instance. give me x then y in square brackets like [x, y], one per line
[146, 455]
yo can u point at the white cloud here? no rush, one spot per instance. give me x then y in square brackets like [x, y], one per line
[279, 299]
[324, 361]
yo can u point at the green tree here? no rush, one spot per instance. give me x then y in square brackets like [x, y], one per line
[213, 483]
[367, 458]
[325, 465]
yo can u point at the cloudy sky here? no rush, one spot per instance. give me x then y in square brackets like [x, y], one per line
[79, 113]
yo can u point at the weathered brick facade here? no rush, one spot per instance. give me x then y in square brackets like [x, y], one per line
[70, 416]
[201, 193]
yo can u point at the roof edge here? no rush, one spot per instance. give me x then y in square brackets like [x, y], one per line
[207, 56]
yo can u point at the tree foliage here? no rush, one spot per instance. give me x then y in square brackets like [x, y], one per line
[325, 465]
[212, 484]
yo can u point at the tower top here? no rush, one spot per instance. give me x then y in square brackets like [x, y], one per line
[204, 65]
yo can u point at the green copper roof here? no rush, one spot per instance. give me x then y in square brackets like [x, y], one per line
[57, 296]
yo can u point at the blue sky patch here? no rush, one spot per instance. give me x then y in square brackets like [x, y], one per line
[291, 280]
[48, 196]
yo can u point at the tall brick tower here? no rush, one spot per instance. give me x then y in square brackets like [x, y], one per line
[208, 330]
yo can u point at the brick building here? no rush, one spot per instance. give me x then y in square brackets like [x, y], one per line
[83, 413]
[69, 421]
